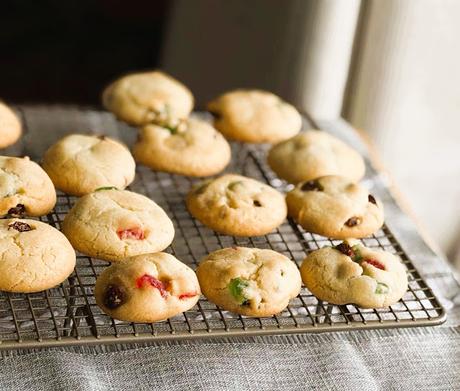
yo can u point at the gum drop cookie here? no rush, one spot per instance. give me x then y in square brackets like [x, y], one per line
[33, 256]
[237, 205]
[313, 154]
[191, 148]
[10, 126]
[354, 274]
[25, 189]
[147, 288]
[79, 164]
[334, 207]
[254, 116]
[249, 281]
[116, 224]
[148, 97]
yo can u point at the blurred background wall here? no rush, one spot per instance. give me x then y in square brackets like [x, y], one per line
[390, 67]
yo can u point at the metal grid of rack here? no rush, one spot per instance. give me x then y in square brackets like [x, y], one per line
[68, 315]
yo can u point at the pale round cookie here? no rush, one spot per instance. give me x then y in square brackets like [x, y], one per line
[334, 207]
[352, 273]
[313, 154]
[249, 281]
[25, 189]
[115, 224]
[237, 205]
[79, 164]
[33, 256]
[192, 148]
[147, 288]
[148, 97]
[255, 116]
[10, 126]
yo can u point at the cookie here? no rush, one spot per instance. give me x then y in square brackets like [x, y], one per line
[25, 189]
[115, 224]
[10, 126]
[237, 205]
[255, 116]
[148, 97]
[352, 273]
[313, 154]
[249, 281]
[334, 207]
[147, 288]
[79, 164]
[33, 256]
[192, 148]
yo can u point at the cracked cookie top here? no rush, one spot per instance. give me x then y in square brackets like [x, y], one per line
[193, 148]
[334, 207]
[148, 97]
[10, 126]
[79, 164]
[33, 256]
[25, 189]
[147, 288]
[249, 281]
[313, 154]
[353, 273]
[254, 116]
[116, 224]
[237, 205]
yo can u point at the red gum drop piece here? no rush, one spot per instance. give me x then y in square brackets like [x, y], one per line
[131, 233]
[187, 295]
[156, 283]
[375, 263]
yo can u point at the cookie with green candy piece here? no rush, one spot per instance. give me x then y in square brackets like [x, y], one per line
[352, 273]
[249, 281]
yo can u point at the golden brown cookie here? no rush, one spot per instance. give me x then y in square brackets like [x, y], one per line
[249, 281]
[147, 288]
[10, 126]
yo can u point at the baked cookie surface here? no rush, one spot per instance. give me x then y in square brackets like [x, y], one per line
[237, 205]
[115, 224]
[255, 116]
[192, 148]
[79, 164]
[334, 207]
[10, 126]
[25, 189]
[147, 288]
[313, 154]
[33, 256]
[352, 273]
[148, 97]
[249, 281]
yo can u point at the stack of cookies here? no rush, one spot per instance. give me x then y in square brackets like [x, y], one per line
[144, 284]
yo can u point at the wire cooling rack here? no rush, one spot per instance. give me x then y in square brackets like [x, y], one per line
[68, 314]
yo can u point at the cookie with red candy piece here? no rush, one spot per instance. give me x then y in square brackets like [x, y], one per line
[352, 273]
[116, 224]
[147, 288]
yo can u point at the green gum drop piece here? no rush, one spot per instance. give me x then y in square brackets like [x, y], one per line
[236, 288]
[382, 288]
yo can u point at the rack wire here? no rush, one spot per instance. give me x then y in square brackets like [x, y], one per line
[68, 314]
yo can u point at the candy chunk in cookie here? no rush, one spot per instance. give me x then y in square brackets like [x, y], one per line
[254, 116]
[313, 154]
[191, 148]
[335, 207]
[79, 164]
[147, 288]
[10, 126]
[249, 281]
[353, 273]
[115, 224]
[33, 256]
[237, 205]
[148, 97]
[25, 189]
